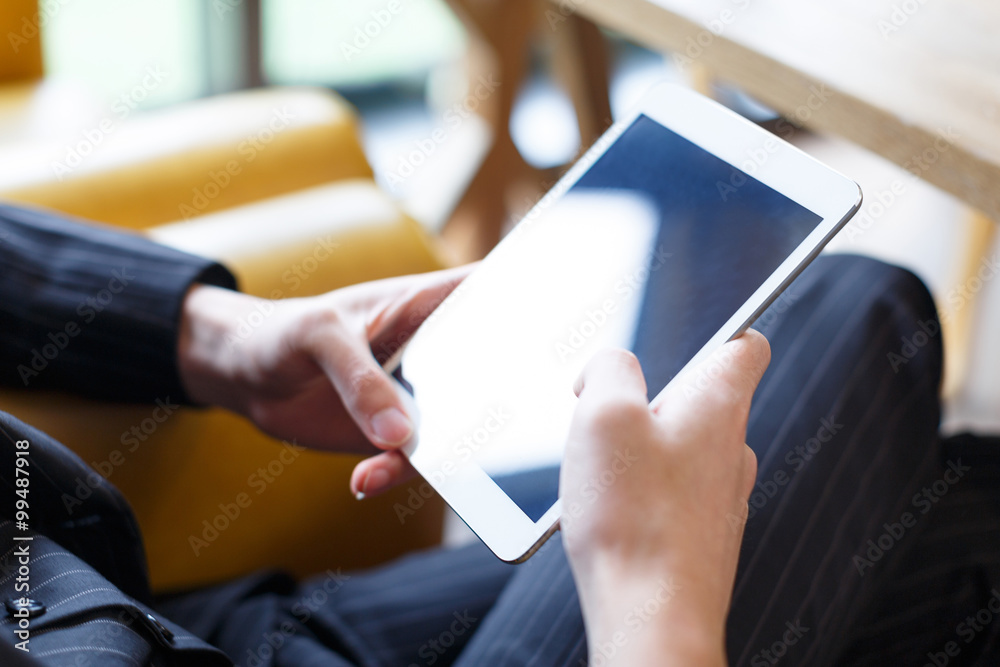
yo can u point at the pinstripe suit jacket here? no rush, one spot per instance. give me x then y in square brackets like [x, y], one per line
[93, 311]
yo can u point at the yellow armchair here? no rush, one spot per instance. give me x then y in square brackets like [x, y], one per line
[216, 498]
[276, 186]
[189, 160]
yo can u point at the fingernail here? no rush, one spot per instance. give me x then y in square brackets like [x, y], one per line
[360, 495]
[391, 426]
[376, 481]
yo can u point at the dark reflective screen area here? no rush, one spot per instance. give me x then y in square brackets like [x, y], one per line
[726, 232]
[654, 248]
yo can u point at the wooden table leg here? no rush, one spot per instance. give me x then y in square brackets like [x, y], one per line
[502, 34]
[958, 322]
[581, 66]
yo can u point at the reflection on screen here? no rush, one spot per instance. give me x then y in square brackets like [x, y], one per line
[654, 249]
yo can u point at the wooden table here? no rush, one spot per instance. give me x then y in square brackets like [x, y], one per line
[916, 81]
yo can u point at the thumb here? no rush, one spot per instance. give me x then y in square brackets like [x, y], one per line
[751, 354]
[730, 375]
[611, 374]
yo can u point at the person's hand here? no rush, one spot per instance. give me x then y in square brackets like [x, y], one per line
[654, 503]
[309, 369]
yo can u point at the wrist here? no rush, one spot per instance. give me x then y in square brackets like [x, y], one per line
[205, 348]
[667, 641]
[662, 615]
[643, 633]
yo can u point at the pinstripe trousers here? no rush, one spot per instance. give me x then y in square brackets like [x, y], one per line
[869, 541]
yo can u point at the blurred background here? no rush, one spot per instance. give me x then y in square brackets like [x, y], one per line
[402, 80]
[415, 133]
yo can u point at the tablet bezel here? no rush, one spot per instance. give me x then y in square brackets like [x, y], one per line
[467, 488]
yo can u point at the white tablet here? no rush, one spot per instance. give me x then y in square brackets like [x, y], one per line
[684, 221]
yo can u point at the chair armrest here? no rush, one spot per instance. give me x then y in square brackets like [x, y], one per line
[191, 159]
[309, 242]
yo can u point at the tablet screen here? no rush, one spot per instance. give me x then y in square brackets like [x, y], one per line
[653, 249]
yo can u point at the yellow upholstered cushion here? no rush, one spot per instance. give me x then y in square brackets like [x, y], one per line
[191, 159]
[308, 242]
[188, 475]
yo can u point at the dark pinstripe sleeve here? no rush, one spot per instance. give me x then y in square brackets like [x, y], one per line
[92, 310]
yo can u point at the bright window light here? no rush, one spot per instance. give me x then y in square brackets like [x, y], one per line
[358, 42]
[82, 39]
